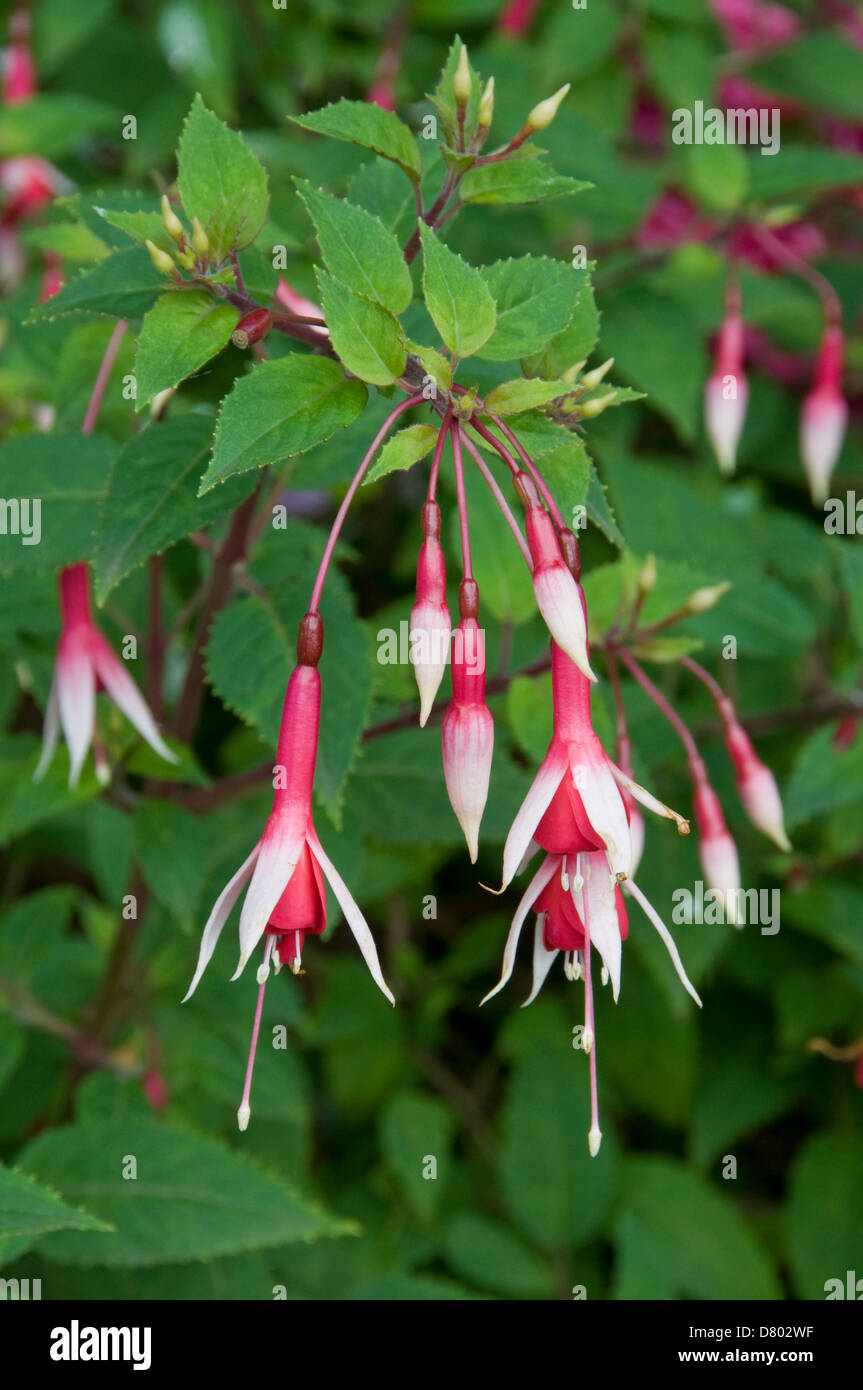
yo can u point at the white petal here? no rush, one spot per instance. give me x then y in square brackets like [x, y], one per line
[354, 918]
[604, 927]
[50, 731]
[648, 799]
[280, 848]
[544, 874]
[218, 917]
[651, 913]
[606, 812]
[127, 697]
[532, 809]
[76, 697]
[543, 959]
[559, 602]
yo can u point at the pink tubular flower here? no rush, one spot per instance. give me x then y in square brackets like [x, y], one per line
[558, 596]
[756, 784]
[753, 26]
[467, 735]
[717, 850]
[727, 392]
[297, 303]
[430, 625]
[516, 17]
[85, 664]
[824, 415]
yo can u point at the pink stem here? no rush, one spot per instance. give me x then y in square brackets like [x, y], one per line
[498, 497]
[696, 765]
[438, 451]
[554, 509]
[349, 497]
[104, 373]
[462, 502]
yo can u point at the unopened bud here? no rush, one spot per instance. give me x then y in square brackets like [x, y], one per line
[186, 259]
[462, 84]
[571, 374]
[544, 113]
[162, 261]
[590, 409]
[160, 401]
[594, 377]
[252, 328]
[647, 577]
[486, 105]
[706, 598]
[173, 225]
[200, 240]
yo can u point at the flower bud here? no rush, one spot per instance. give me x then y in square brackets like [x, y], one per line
[558, 595]
[591, 408]
[647, 577]
[544, 113]
[430, 626]
[756, 785]
[254, 326]
[162, 261]
[594, 377]
[703, 599]
[467, 736]
[486, 104]
[824, 416]
[717, 850]
[726, 394]
[173, 225]
[462, 83]
[200, 240]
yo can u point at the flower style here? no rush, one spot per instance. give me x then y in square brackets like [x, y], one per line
[86, 664]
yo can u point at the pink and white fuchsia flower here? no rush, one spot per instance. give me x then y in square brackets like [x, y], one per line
[824, 415]
[430, 624]
[287, 867]
[86, 664]
[467, 735]
[575, 811]
[727, 392]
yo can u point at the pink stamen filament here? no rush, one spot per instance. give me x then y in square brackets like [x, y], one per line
[245, 1108]
[589, 1022]
[499, 498]
[458, 467]
[696, 763]
[336, 527]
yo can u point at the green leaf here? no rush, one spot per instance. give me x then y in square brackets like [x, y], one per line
[123, 286]
[52, 123]
[577, 340]
[516, 181]
[29, 1209]
[221, 182]
[415, 1129]
[368, 339]
[535, 298]
[851, 565]
[444, 97]
[822, 68]
[280, 409]
[803, 169]
[503, 577]
[824, 779]
[566, 469]
[63, 476]
[152, 497]
[142, 225]
[192, 1198]
[489, 1255]
[717, 175]
[71, 241]
[653, 361]
[171, 848]
[402, 450]
[368, 125]
[179, 334]
[554, 1190]
[25, 802]
[358, 250]
[456, 296]
[825, 1214]
[701, 1247]
[513, 397]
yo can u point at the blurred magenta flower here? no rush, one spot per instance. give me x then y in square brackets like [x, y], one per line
[824, 415]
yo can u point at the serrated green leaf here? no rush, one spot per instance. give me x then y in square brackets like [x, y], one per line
[415, 1129]
[514, 397]
[182, 331]
[29, 1209]
[192, 1198]
[535, 297]
[460, 304]
[142, 225]
[52, 122]
[825, 1215]
[66, 475]
[280, 409]
[402, 450]
[123, 286]
[368, 125]
[221, 181]
[516, 181]
[71, 241]
[152, 500]
[367, 338]
[358, 250]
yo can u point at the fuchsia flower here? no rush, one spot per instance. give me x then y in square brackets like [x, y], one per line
[753, 26]
[575, 811]
[558, 596]
[516, 17]
[86, 664]
[727, 392]
[430, 623]
[716, 848]
[467, 735]
[756, 784]
[824, 415]
[286, 900]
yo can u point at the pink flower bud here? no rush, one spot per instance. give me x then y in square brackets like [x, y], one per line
[557, 593]
[756, 785]
[717, 850]
[824, 415]
[431, 627]
[468, 733]
[726, 394]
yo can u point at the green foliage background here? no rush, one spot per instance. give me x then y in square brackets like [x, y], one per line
[324, 1194]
